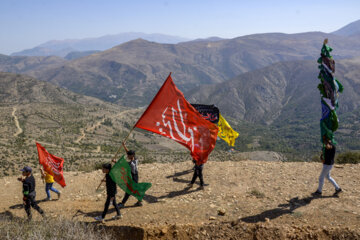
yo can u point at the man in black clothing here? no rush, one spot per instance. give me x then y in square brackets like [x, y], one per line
[197, 173]
[133, 163]
[327, 158]
[111, 192]
[29, 193]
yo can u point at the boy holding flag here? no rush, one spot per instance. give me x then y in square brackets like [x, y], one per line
[111, 192]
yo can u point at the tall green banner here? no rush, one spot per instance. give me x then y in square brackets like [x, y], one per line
[121, 174]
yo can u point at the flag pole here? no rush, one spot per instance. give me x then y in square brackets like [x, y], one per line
[125, 139]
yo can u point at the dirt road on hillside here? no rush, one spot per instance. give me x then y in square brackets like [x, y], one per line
[19, 129]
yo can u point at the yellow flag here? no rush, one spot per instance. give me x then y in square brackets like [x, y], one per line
[226, 133]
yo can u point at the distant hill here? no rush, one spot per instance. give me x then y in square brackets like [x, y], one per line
[75, 55]
[63, 47]
[352, 29]
[209, 39]
[262, 95]
[29, 65]
[281, 104]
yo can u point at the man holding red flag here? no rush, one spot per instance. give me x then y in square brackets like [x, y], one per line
[172, 116]
[52, 164]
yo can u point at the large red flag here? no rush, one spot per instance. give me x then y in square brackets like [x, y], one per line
[171, 115]
[52, 164]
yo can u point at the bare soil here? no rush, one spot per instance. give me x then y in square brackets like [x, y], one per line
[241, 200]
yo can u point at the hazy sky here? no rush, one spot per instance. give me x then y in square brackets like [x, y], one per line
[27, 23]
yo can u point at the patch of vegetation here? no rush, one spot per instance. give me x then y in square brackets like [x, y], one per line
[108, 122]
[257, 193]
[11, 228]
[297, 214]
[348, 157]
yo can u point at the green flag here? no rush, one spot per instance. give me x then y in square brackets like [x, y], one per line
[121, 174]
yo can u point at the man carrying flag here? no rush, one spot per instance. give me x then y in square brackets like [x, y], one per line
[133, 163]
[123, 174]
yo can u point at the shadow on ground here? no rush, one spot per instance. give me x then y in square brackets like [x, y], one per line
[282, 209]
[19, 206]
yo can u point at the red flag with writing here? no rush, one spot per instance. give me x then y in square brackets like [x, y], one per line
[171, 115]
[52, 164]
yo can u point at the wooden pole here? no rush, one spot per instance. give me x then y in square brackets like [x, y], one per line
[124, 141]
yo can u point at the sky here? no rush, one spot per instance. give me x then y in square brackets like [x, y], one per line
[25, 24]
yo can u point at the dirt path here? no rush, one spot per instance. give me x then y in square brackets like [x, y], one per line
[254, 194]
[98, 149]
[19, 129]
[97, 124]
[54, 145]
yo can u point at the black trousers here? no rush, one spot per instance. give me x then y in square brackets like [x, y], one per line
[198, 173]
[135, 178]
[30, 202]
[107, 203]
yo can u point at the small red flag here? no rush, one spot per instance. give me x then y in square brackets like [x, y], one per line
[52, 164]
[171, 115]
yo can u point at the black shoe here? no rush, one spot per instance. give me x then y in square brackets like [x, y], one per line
[317, 193]
[138, 204]
[337, 191]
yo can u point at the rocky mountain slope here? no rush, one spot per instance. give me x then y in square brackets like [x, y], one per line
[279, 91]
[281, 104]
[83, 130]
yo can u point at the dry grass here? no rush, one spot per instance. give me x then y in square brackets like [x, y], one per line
[59, 228]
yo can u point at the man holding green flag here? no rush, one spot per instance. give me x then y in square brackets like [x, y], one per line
[125, 174]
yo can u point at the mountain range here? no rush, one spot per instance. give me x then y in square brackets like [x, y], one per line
[131, 73]
[352, 29]
[87, 46]
[62, 48]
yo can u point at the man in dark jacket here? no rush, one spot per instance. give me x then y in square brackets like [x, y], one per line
[29, 193]
[133, 163]
[328, 157]
[197, 173]
[111, 192]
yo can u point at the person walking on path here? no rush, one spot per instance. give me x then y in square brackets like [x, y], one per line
[197, 173]
[327, 157]
[49, 181]
[133, 163]
[29, 193]
[111, 192]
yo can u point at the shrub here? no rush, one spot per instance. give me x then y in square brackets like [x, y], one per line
[15, 228]
[257, 193]
[108, 122]
[348, 157]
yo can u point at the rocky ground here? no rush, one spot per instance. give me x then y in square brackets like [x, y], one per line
[241, 200]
